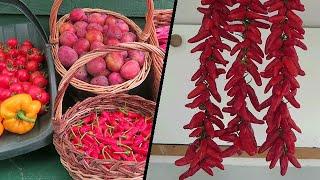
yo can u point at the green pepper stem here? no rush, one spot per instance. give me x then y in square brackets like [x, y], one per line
[22, 116]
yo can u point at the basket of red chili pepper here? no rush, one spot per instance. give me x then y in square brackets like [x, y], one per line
[106, 136]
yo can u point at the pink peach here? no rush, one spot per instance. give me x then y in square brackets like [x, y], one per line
[81, 46]
[114, 32]
[115, 78]
[77, 15]
[111, 41]
[122, 25]
[111, 21]
[128, 37]
[96, 45]
[97, 18]
[95, 26]
[67, 27]
[114, 61]
[80, 25]
[130, 69]
[68, 39]
[94, 35]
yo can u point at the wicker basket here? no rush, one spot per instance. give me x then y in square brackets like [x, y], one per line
[143, 36]
[160, 18]
[79, 165]
[124, 87]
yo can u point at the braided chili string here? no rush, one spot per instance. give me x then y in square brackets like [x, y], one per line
[204, 153]
[283, 69]
[247, 19]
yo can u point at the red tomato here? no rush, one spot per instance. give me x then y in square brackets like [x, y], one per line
[26, 86]
[16, 88]
[13, 80]
[40, 81]
[22, 58]
[4, 94]
[13, 53]
[35, 55]
[3, 56]
[32, 66]
[23, 75]
[12, 42]
[27, 43]
[37, 73]
[3, 65]
[4, 81]
[35, 92]
[44, 97]
[10, 63]
[9, 73]
[24, 49]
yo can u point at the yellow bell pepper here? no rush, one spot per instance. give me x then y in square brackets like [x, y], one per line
[1, 127]
[19, 113]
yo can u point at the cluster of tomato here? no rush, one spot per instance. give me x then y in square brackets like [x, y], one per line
[21, 71]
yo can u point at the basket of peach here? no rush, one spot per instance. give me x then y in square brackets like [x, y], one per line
[86, 30]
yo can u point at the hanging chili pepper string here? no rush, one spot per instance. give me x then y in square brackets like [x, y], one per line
[283, 69]
[204, 153]
[250, 14]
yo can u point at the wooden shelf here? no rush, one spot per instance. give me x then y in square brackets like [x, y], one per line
[179, 150]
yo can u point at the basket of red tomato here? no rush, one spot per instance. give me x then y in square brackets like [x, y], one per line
[27, 86]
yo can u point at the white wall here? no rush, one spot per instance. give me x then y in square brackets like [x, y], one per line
[181, 65]
[188, 14]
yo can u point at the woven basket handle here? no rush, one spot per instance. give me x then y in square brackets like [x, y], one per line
[144, 35]
[64, 83]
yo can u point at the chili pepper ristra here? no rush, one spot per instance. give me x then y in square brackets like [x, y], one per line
[204, 153]
[247, 19]
[283, 69]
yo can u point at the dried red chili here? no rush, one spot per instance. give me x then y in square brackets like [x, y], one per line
[283, 69]
[204, 153]
[246, 19]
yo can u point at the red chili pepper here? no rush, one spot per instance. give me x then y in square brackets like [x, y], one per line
[213, 89]
[217, 122]
[247, 139]
[199, 100]
[235, 28]
[209, 128]
[213, 109]
[198, 73]
[200, 36]
[294, 160]
[196, 120]
[270, 141]
[232, 150]
[197, 91]
[227, 35]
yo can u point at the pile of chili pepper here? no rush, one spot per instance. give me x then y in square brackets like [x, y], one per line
[119, 135]
[204, 153]
[163, 35]
[283, 69]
